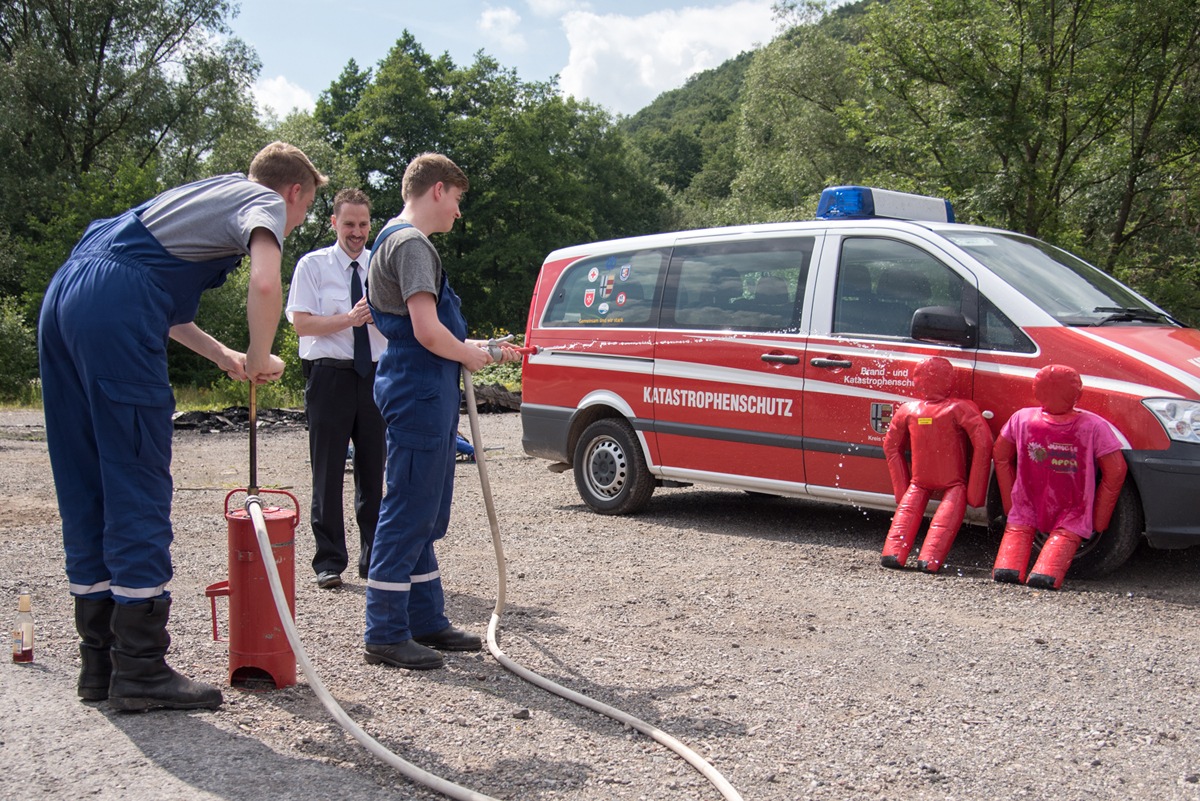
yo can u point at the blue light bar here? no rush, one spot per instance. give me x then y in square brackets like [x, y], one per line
[864, 202]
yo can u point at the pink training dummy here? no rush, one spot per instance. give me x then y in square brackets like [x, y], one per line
[936, 430]
[1046, 459]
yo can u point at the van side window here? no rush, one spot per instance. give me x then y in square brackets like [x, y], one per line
[881, 282]
[616, 291]
[740, 286]
[997, 332]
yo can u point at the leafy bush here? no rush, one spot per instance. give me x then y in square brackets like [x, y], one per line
[18, 352]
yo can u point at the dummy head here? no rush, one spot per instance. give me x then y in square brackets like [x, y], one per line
[934, 378]
[1057, 388]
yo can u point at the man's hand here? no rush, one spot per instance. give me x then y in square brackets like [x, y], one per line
[270, 370]
[360, 314]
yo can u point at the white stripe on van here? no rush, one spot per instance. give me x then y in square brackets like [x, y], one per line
[1183, 377]
[1091, 381]
[595, 361]
[696, 371]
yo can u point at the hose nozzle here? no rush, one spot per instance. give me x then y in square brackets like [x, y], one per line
[494, 350]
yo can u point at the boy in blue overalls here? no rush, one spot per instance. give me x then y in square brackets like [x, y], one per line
[131, 283]
[417, 391]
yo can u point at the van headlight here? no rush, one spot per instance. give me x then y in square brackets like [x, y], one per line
[1181, 418]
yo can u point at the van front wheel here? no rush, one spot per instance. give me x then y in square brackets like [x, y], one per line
[610, 470]
[1107, 550]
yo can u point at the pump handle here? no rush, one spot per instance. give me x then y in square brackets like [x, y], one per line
[252, 489]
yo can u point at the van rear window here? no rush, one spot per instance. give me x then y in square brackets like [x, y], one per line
[615, 290]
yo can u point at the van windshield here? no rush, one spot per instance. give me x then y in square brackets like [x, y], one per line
[1070, 289]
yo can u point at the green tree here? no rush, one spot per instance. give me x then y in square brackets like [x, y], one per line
[18, 352]
[88, 85]
[337, 107]
[1067, 119]
[545, 171]
[688, 136]
[1070, 120]
[794, 139]
[101, 102]
[403, 113]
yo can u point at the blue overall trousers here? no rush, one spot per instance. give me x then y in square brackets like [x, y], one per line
[102, 343]
[418, 395]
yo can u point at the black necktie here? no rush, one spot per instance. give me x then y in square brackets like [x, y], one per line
[362, 339]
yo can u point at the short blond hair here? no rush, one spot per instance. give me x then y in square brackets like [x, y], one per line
[280, 166]
[428, 169]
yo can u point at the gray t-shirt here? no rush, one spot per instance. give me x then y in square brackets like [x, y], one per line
[213, 218]
[403, 265]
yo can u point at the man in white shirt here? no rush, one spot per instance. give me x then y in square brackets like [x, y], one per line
[339, 347]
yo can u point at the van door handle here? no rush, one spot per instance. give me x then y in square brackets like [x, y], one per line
[781, 358]
[831, 363]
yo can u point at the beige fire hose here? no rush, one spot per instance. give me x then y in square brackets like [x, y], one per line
[411, 771]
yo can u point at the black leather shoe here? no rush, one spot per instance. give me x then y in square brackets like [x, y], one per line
[327, 579]
[407, 654]
[451, 639]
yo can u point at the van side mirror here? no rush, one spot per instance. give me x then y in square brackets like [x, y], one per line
[943, 324]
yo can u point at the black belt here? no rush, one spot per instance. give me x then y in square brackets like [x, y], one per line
[340, 364]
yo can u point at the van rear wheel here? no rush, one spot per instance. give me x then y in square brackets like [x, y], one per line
[610, 470]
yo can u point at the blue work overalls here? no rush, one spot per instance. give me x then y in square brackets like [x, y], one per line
[102, 343]
[418, 394]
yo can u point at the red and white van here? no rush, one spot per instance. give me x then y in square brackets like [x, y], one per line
[768, 358]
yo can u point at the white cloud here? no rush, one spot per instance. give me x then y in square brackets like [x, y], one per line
[500, 25]
[624, 62]
[280, 97]
[554, 8]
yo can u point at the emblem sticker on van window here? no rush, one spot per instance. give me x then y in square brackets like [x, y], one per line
[620, 299]
[589, 297]
[626, 271]
[602, 309]
[593, 274]
[607, 288]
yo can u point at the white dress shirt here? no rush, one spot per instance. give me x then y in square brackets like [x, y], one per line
[321, 286]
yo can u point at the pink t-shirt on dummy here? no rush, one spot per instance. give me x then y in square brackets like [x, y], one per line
[1056, 468]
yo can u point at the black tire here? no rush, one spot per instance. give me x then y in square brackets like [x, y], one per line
[1106, 551]
[610, 469]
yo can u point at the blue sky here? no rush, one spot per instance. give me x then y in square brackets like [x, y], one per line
[620, 54]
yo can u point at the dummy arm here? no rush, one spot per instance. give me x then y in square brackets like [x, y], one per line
[1004, 454]
[1112, 476]
[893, 448]
[981, 457]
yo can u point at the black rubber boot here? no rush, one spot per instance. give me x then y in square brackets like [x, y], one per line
[141, 677]
[93, 622]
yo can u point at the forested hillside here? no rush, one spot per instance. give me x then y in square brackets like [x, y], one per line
[1070, 120]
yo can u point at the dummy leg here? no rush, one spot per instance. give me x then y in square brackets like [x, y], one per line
[947, 520]
[903, 532]
[1054, 560]
[1013, 558]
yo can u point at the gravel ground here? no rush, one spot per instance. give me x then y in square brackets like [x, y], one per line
[761, 632]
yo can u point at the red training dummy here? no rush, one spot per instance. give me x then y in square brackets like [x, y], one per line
[1045, 465]
[936, 430]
